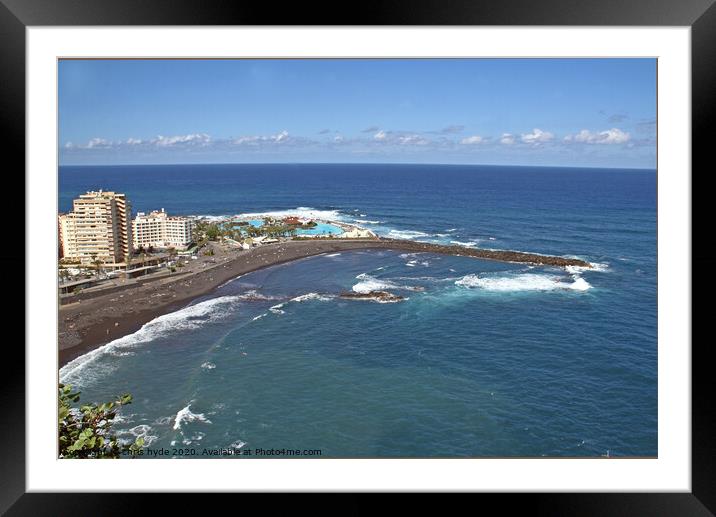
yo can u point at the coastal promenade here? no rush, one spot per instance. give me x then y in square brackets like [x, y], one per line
[93, 320]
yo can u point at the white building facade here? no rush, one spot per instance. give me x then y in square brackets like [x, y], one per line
[159, 230]
[97, 228]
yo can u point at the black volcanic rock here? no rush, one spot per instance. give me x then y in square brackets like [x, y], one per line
[378, 296]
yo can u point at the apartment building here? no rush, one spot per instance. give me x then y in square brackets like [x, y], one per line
[159, 230]
[98, 227]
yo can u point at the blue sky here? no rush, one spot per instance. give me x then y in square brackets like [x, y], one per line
[564, 112]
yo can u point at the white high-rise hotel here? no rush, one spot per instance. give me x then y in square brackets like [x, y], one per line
[97, 228]
[158, 230]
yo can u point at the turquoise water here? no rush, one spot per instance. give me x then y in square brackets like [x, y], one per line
[481, 358]
[321, 229]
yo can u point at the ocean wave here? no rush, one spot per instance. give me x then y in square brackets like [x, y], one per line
[406, 234]
[466, 244]
[333, 255]
[366, 221]
[253, 295]
[208, 366]
[276, 309]
[194, 316]
[186, 415]
[596, 267]
[369, 283]
[302, 212]
[311, 296]
[523, 282]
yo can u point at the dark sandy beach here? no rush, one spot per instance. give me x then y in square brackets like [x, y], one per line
[93, 320]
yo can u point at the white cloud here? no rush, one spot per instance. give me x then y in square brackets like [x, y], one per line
[168, 141]
[246, 140]
[278, 138]
[507, 139]
[380, 135]
[476, 139]
[100, 143]
[537, 136]
[133, 141]
[338, 138]
[610, 136]
[412, 140]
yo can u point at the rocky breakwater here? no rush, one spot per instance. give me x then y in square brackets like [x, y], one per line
[462, 251]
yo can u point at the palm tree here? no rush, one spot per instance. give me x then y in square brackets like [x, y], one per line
[172, 251]
[97, 263]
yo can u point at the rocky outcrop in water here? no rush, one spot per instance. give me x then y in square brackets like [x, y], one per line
[377, 296]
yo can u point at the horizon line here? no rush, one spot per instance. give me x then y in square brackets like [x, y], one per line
[655, 168]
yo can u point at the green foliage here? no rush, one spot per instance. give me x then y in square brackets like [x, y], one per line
[85, 431]
[212, 232]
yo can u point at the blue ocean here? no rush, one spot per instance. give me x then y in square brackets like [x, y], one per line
[482, 359]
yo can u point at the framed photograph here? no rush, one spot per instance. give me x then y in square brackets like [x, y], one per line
[445, 249]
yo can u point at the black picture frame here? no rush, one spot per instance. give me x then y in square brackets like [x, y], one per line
[700, 15]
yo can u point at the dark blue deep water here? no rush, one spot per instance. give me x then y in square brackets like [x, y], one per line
[482, 359]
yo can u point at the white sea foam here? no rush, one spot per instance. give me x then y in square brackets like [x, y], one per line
[373, 284]
[311, 296]
[229, 281]
[333, 255]
[254, 295]
[406, 234]
[366, 221]
[523, 282]
[186, 415]
[466, 244]
[259, 316]
[596, 267]
[276, 309]
[78, 371]
[210, 218]
[369, 283]
[302, 212]
[208, 366]
[451, 230]
[138, 431]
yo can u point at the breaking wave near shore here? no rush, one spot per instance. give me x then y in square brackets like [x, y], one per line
[92, 365]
